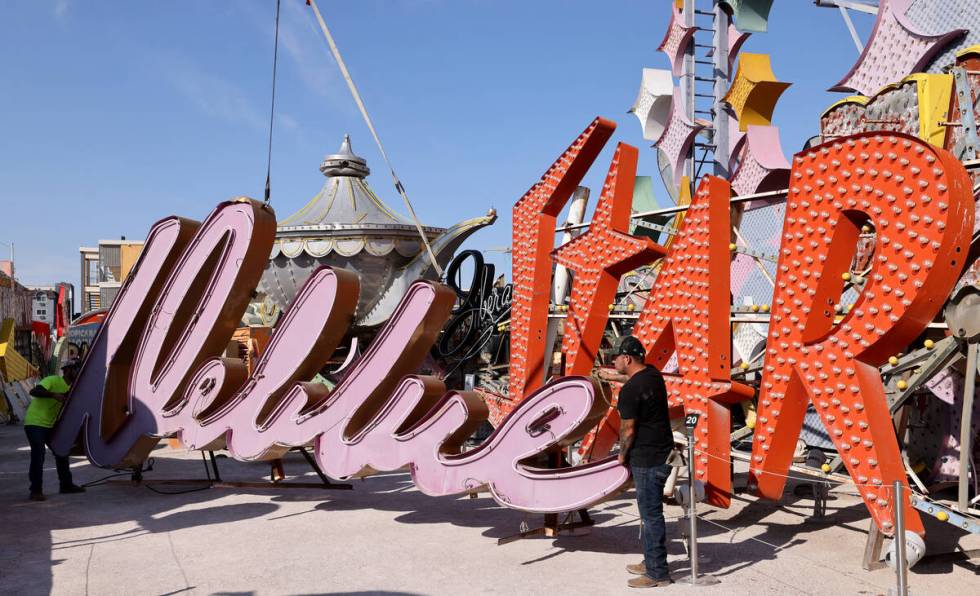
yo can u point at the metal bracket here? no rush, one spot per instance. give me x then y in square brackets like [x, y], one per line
[656, 227]
[872, 548]
[964, 94]
[951, 516]
[757, 254]
[868, 7]
[821, 492]
[850, 28]
[911, 360]
[944, 350]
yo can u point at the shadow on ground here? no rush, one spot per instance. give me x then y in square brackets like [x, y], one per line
[29, 557]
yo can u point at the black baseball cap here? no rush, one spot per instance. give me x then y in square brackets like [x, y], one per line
[630, 346]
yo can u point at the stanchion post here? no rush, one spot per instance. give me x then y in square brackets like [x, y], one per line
[901, 562]
[691, 422]
[692, 511]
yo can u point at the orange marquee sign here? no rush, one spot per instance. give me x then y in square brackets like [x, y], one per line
[919, 199]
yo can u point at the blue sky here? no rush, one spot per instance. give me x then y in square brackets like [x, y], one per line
[116, 114]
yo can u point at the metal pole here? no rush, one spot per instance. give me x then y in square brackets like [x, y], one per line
[12, 297]
[901, 563]
[559, 289]
[719, 114]
[870, 7]
[850, 28]
[966, 435]
[692, 510]
[687, 87]
[10, 245]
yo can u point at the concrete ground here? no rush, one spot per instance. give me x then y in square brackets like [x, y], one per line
[384, 537]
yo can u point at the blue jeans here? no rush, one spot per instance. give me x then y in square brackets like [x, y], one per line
[37, 437]
[650, 499]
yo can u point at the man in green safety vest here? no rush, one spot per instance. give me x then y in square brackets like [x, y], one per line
[49, 395]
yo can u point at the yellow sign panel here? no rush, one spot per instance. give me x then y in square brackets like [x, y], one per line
[754, 91]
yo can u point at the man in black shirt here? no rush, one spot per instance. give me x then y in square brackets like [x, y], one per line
[646, 441]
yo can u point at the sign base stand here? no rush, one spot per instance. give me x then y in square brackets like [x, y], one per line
[277, 476]
[552, 528]
[702, 580]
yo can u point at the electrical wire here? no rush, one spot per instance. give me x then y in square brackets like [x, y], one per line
[177, 492]
[886, 488]
[105, 478]
[272, 110]
[118, 472]
[147, 468]
[731, 461]
[210, 483]
[374, 133]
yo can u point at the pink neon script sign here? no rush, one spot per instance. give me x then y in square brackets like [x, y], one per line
[374, 420]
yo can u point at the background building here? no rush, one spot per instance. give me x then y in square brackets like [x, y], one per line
[104, 268]
[89, 278]
[44, 303]
[15, 330]
[15, 303]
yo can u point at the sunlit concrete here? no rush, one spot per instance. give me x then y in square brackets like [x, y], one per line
[386, 537]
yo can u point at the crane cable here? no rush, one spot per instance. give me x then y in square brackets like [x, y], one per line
[272, 111]
[367, 119]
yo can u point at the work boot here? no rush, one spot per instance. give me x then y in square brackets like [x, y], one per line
[72, 489]
[637, 569]
[645, 581]
[38, 496]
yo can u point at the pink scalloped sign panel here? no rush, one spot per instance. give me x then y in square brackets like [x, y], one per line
[736, 143]
[736, 39]
[763, 163]
[676, 41]
[677, 139]
[895, 50]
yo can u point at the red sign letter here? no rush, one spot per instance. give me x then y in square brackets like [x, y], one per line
[919, 200]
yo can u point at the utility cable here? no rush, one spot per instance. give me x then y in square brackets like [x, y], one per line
[272, 110]
[887, 489]
[374, 133]
[135, 470]
[210, 483]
